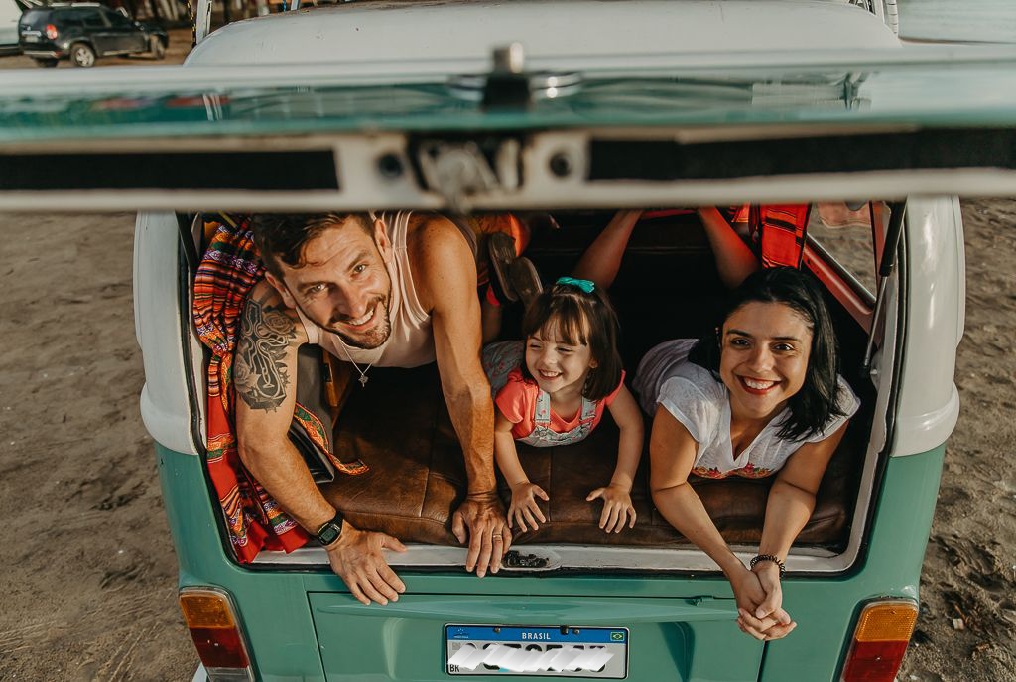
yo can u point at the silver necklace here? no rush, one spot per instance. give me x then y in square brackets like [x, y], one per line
[363, 372]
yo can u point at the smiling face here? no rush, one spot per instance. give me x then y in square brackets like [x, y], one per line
[559, 366]
[343, 285]
[764, 353]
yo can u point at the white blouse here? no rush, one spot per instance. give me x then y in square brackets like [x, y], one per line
[700, 401]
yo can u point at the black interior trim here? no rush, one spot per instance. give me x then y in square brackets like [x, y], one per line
[669, 160]
[254, 171]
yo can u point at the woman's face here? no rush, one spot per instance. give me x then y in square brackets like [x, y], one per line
[764, 351]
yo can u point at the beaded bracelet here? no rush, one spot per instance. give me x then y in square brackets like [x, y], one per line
[769, 557]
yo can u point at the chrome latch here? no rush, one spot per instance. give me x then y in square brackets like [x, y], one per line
[460, 170]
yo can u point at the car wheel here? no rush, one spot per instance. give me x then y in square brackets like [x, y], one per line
[82, 55]
[46, 63]
[156, 47]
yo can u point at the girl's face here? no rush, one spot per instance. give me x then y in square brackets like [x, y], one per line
[556, 364]
[764, 351]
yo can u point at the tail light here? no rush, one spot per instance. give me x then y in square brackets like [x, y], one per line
[880, 641]
[51, 32]
[217, 636]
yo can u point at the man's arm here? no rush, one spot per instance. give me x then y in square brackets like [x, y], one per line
[264, 376]
[445, 277]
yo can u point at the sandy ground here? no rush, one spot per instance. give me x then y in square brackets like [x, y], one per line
[90, 587]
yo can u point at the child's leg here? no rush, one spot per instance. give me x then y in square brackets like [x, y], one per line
[602, 259]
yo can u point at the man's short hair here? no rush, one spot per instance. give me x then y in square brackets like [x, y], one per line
[282, 237]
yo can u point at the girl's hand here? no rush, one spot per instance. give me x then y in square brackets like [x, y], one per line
[524, 507]
[755, 594]
[617, 508]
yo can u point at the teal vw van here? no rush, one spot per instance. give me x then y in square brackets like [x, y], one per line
[575, 109]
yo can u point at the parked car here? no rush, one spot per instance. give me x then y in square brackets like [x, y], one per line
[10, 14]
[645, 104]
[84, 32]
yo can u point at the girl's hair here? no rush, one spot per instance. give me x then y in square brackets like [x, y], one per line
[579, 317]
[812, 406]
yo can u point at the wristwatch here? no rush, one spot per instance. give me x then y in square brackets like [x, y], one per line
[329, 530]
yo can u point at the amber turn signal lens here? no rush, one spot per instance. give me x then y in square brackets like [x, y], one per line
[206, 610]
[886, 622]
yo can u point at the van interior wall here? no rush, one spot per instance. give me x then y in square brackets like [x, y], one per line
[667, 288]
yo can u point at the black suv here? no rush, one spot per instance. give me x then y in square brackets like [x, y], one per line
[82, 32]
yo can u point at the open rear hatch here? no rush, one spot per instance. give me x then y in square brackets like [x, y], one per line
[761, 128]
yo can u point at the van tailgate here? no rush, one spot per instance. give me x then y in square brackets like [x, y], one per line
[664, 638]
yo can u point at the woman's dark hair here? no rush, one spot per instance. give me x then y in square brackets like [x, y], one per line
[580, 317]
[812, 406]
[281, 237]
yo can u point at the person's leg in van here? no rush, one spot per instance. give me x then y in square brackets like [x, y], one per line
[602, 260]
[734, 260]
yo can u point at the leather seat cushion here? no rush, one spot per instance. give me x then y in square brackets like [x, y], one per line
[399, 427]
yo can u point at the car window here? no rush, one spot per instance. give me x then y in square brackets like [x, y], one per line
[844, 231]
[92, 19]
[71, 18]
[117, 20]
[32, 16]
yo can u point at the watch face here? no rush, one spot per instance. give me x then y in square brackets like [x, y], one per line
[328, 533]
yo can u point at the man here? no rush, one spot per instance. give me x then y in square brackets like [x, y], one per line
[396, 290]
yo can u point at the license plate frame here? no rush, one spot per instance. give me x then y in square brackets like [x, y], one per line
[580, 650]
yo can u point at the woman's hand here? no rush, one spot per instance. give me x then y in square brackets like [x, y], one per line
[759, 598]
[617, 508]
[524, 507]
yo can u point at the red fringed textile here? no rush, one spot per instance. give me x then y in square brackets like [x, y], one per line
[228, 271]
[783, 230]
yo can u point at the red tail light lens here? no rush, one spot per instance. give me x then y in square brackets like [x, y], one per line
[51, 32]
[880, 641]
[216, 634]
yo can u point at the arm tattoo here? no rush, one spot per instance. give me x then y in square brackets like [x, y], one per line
[259, 370]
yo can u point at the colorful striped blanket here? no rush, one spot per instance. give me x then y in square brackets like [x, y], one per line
[228, 271]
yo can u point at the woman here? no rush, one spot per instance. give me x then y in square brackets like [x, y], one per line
[757, 397]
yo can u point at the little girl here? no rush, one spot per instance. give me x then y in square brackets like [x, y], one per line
[552, 390]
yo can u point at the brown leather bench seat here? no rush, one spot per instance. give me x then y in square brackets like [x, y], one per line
[399, 427]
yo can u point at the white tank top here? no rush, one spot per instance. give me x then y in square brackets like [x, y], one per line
[411, 343]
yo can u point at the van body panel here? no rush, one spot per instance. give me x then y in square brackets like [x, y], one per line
[277, 607]
[929, 405]
[670, 638]
[158, 321]
[562, 31]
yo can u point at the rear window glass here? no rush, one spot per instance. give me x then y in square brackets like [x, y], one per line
[845, 232]
[34, 16]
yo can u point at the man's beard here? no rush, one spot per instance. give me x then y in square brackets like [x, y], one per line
[373, 338]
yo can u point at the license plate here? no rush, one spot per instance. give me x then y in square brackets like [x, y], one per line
[546, 651]
[31, 38]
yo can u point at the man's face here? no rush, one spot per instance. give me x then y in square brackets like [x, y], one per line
[344, 286]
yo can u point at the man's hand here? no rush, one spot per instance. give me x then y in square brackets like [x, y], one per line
[356, 557]
[750, 594]
[481, 519]
[524, 507]
[617, 508]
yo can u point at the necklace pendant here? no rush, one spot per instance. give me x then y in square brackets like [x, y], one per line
[363, 380]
